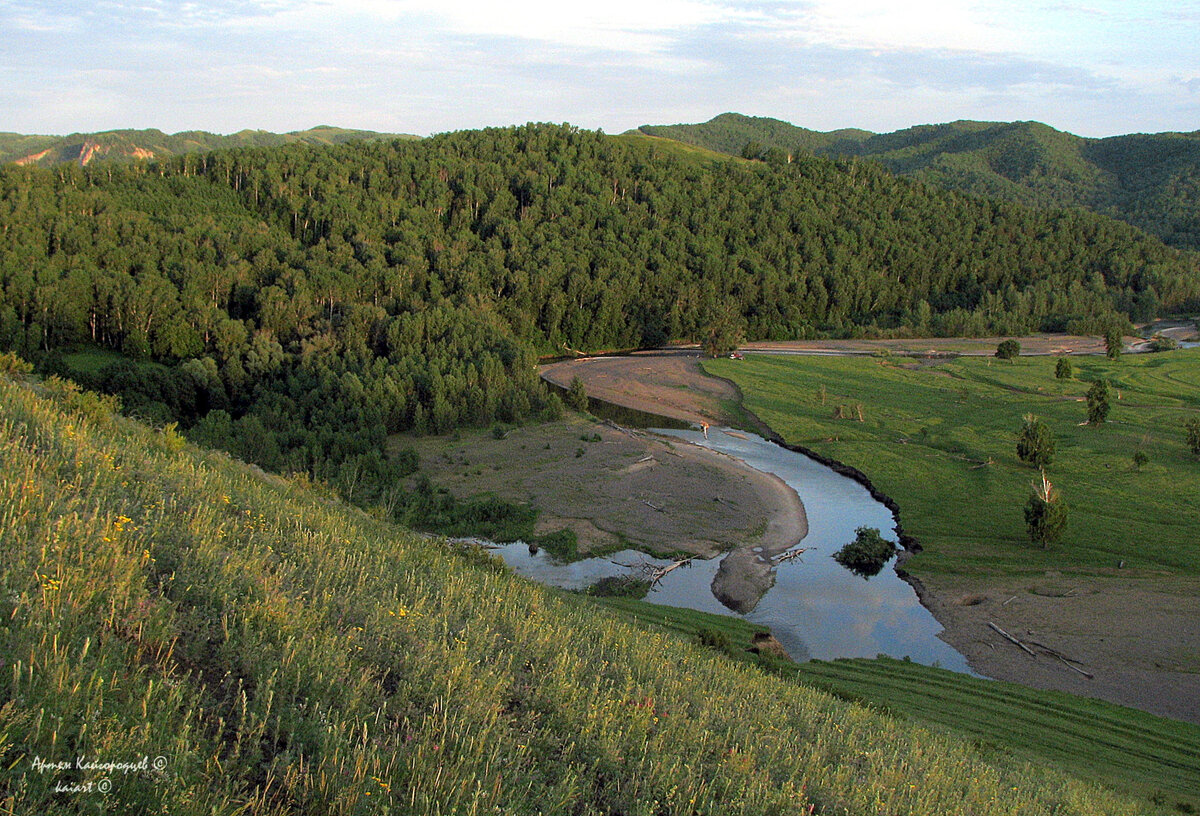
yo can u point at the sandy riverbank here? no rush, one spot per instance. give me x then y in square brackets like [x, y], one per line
[1137, 637]
[618, 489]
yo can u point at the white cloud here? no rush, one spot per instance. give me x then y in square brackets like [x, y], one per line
[915, 24]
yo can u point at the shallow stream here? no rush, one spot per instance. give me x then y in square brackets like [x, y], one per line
[817, 609]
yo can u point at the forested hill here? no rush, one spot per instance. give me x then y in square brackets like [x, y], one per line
[133, 145]
[296, 304]
[1149, 180]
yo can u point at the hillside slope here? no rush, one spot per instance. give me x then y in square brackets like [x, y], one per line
[1149, 180]
[276, 652]
[132, 145]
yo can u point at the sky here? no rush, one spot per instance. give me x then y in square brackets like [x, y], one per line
[1090, 67]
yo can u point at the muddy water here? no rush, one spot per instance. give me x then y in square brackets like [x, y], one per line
[816, 609]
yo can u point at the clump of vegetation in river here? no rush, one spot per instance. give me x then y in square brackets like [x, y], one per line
[867, 553]
[286, 653]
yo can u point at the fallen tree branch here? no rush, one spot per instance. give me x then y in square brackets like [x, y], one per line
[1067, 661]
[1012, 639]
[789, 555]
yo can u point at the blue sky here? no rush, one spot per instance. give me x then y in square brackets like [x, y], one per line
[1093, 67]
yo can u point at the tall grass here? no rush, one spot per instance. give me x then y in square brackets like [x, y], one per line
[271, 651]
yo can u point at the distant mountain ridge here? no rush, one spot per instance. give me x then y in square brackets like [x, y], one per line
[1149, 180]
[132, 145]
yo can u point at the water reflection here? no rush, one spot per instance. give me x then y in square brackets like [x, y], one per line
[817, 609]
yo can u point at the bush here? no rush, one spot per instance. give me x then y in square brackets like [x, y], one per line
[1035, 443]
[1097, 402]
[714, 639]
[867, 553]
[577, 397]
[1008, 349]
[95, 408]
[1140, 458]
[13, 366]
[1160, 342]
[1062, 369]
[554, 408]
[1113, 343]
[1192, 430]
[1045, 514]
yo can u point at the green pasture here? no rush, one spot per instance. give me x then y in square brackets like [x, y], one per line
[1152, 758]
[939, 437]
[1132, 751]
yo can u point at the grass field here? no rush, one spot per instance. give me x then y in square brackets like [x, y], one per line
[940, 439]
[1152, 758]
[284, 653]
[1139, 753]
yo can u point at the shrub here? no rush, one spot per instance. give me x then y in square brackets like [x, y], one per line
[1062, 369]
[13, 366]
[577, 397]
[1097, 402]
[95, 408]
[1035, 443]
[1192, 430]
[867, 553]
[1045, 514]
[1140, 458]
[1113, 343]
[1008, 349]
[1160, 342]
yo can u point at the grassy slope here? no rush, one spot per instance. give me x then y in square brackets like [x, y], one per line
[284, 653]
[941, 441]
[1131, 751]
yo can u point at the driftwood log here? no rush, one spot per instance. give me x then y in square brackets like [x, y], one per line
[1070, 663]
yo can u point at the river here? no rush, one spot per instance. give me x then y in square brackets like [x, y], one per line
[817, 609]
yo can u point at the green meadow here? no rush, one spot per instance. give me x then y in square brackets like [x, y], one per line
[276, 651]
[1136, 753]
[940, 439]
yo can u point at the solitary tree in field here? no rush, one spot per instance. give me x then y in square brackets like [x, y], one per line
[1062, 369]
[1045, 514]
[577, 397]
[1192, 428]
[1035, 443]
[1008, 349]
[1113, 343]
[723, 335]
[1097, 402]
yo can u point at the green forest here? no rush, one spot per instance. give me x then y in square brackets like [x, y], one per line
[297, 304]
[1149, 180]
[136, 145]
